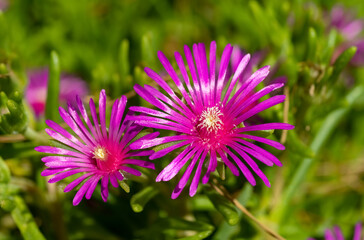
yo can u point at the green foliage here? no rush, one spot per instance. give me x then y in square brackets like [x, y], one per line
[109, 43]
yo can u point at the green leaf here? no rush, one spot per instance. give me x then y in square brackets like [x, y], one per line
[52, 102]
[139, 200]
[124, 186]
[330, 47]
[225, 207]
[341, 62]
[124, 64]
[148, 53]
[4, 172]
[295, 144]
[180, 224]
[24, 220]
[13, 118]
[165, 145]
[312, 44]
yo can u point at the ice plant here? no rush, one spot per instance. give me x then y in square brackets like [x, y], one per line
[36, 91]
[336, 234]
[206, 117]
[97, 153]
[351, 29]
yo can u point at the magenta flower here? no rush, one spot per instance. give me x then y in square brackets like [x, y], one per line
[345, 23]
[36, 91]
[209, 119]
[336, 234]
[351, 29]
[97, 152]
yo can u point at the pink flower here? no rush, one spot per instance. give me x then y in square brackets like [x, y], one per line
[36, 91]
[336, 234]
[97, 152]
[208, 118]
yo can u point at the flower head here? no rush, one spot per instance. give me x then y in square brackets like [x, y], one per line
[209, 119]
[97, 152]
[336, 234]
[345, 23]
[351, 29]
[36, 91]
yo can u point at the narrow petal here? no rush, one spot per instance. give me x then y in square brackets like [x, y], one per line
[196, 178]
[243, 62]
[225, 58]
[173, 163]
[166, 88]
[248, 175]
[113, 180]
[60, 151]
[211, 167]
[140, 163]
[272, 143]
[176, 118]
[196, 82]
[102, 112]
[260, 107]
[357, 231]
[75, 182]
[81, 192]
[167, 65]
[258, 150]
[142, 144]
[184, 179]
[186, 78]
[338, 233]
[167, 150]
[178, 166]
[229, 164]
[212, 81]
[265, 126]
[91, 189]
[252, 164]
[131, 171]
[66, 174]
[104, 187]
[248, 86]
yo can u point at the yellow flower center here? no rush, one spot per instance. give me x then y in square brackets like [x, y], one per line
[210, 119]
[100, 153]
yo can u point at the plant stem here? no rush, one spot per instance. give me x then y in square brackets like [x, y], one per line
[24, 220]
[221, 190]
[30, 134]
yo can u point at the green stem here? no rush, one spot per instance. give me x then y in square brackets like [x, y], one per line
[24, 220]
[30, 134]
[53, 88]
[326, 130]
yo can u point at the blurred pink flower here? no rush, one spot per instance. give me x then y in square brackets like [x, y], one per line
[336, 234]
[36, 91]
[350, 28]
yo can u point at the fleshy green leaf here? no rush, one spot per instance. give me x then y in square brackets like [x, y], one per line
[225, 207]
[4, 172]
[52, 102]
[139, 200]
[341, 62]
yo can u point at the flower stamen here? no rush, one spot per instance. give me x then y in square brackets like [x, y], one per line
[210, 119]
[100, 153]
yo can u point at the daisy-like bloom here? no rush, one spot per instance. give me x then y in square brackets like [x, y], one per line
[207, 116]
[351, 29]
[36, 91]
[336, 234]
[345, 23]
[97, 152]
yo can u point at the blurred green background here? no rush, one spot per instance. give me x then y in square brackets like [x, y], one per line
[108, 43]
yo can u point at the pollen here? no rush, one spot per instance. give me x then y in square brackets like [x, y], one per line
[210, 119]
[100, 153]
